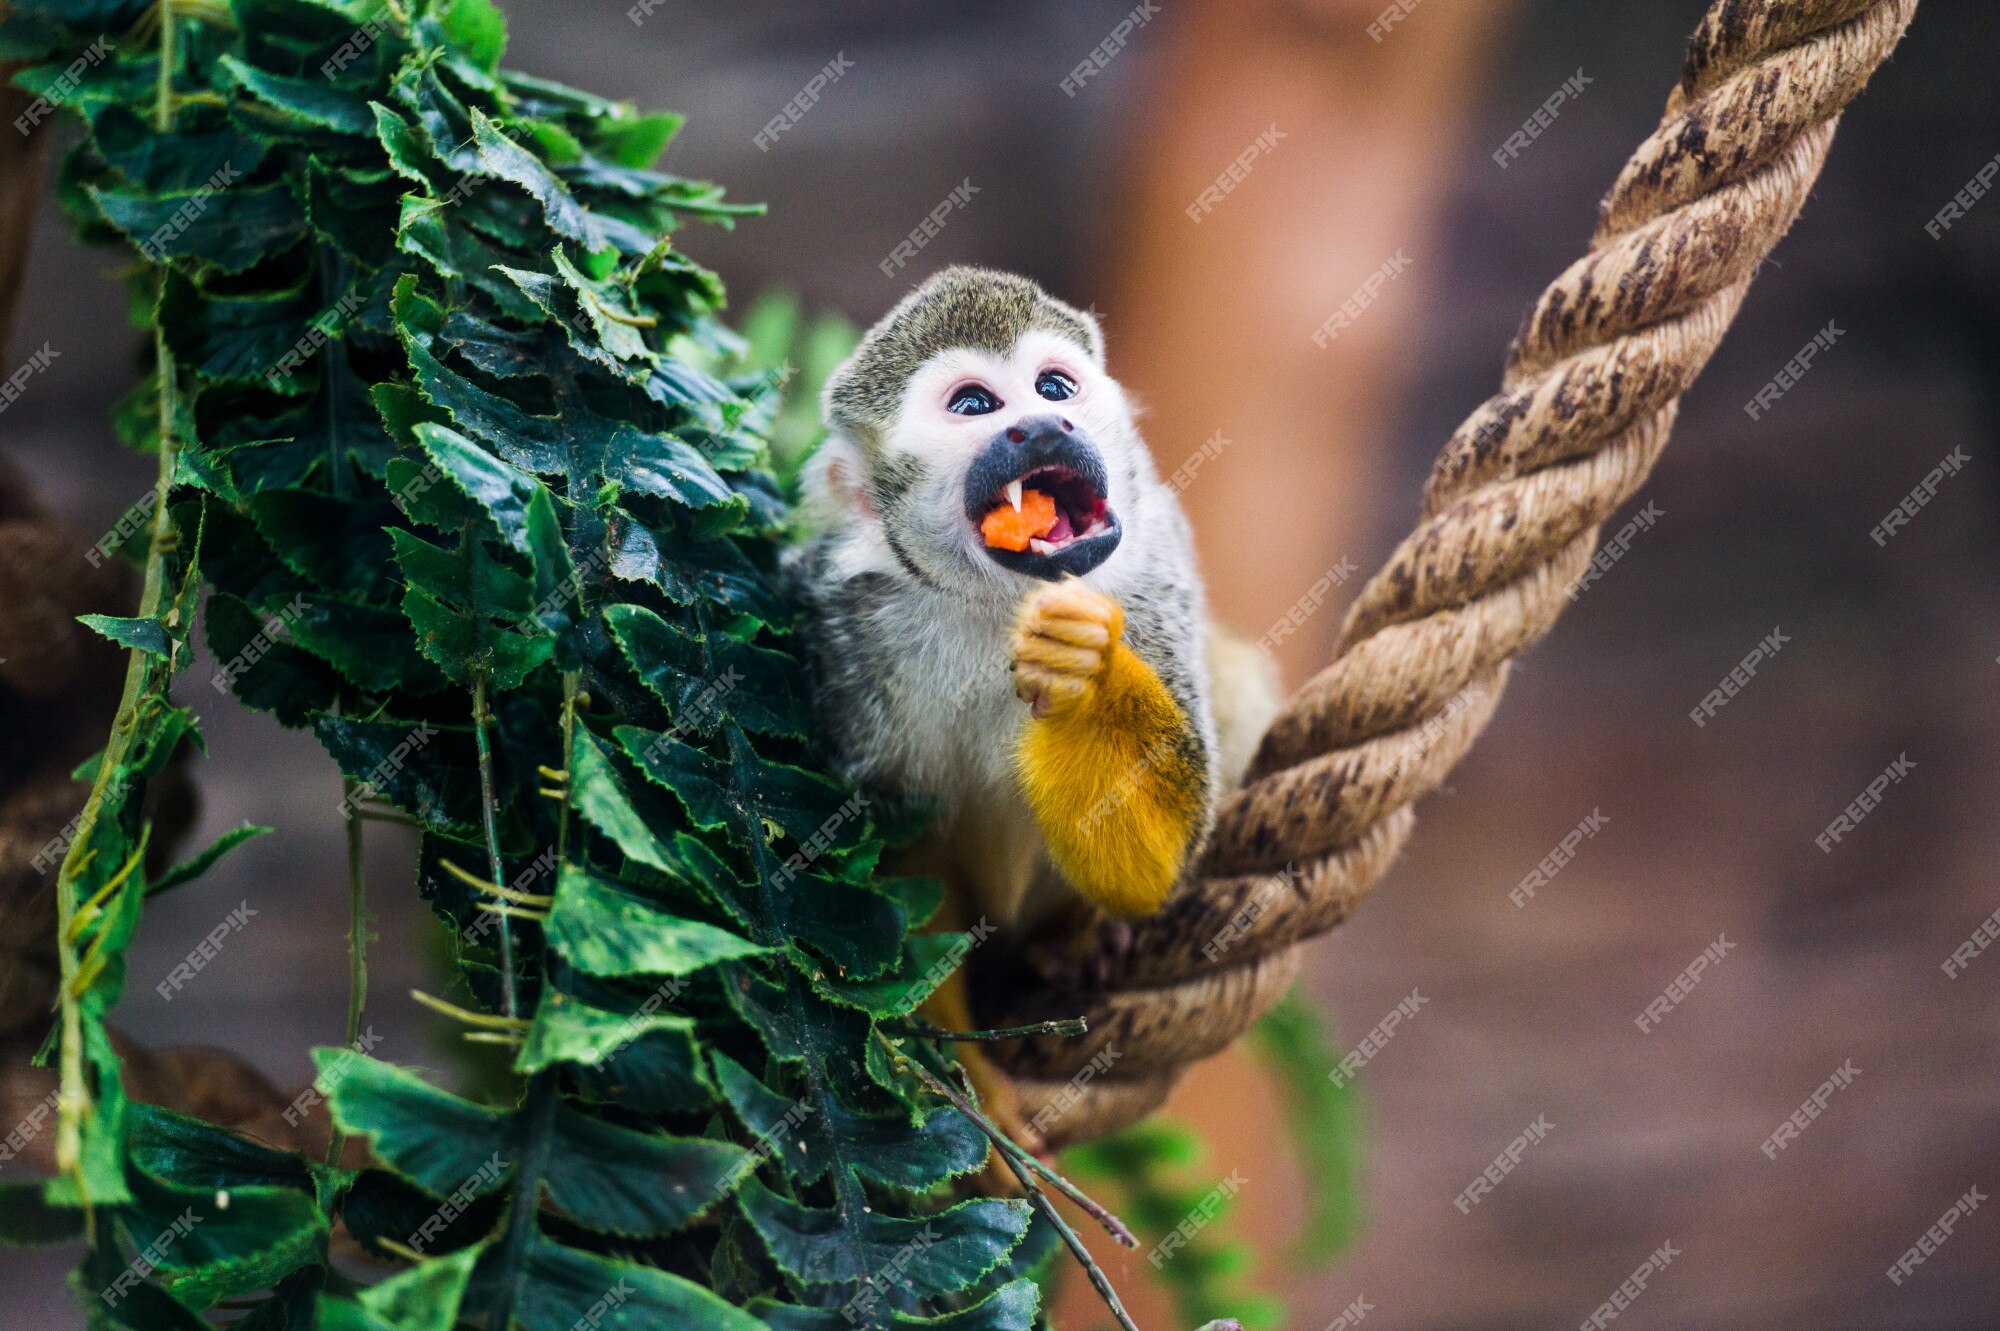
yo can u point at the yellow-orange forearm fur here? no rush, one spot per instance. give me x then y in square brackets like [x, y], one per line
[1117, 784]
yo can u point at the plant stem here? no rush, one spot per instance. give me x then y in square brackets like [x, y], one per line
[1011, 1149]
[163, 99]
[487, 809]
[538, 1111]
[1071, 1026]
[357, 949]
[572, 681]
[74, 1098]
[1082, 1254]
[1014, 1158]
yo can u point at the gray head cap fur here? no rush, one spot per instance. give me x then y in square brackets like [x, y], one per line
[958, 307]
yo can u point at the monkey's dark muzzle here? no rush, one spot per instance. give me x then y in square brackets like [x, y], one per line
[1046, 465]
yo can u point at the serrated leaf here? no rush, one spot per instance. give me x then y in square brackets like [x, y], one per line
[484, 479]
[618, 1181]
[427, 771]
[219, 1241]
[570, 1030]
[885, 1147]
[477, 28]
[228, 226]
[304, 103]
[424, 1298]
[438, 1141]
[597, 793]
[144, 635]
[699, 676]
[1012, 1307]
[566, 1288]
[927, 1256]
[601, 928]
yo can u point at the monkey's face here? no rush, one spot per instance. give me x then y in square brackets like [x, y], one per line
[1021, 464]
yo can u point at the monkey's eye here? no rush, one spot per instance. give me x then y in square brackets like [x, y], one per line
[972, 400]
[1055, 385]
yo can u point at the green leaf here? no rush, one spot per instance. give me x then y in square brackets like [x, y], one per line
[266, 674]
[818, 1249]
[797, 802]
[857, 929]
[477, 28]
[638, 140]
[438, 1141]
[503, 159]
[423, 1298]
[618, 1181]
[567, 1289]
[339, 544]
[427, 771]
[885, 1147]
[598, 794]
[570, 1030]
[601, 928]
[216, 1241]
[1012, 1307]
[309, 103]
[700, 676]
[659, 1073]
[224, 225]
[196, 865]
[502, 492]
[144, 635]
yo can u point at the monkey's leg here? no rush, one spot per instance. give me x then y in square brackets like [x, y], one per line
[1109, 763]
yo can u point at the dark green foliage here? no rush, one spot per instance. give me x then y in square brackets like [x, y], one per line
[481, 488]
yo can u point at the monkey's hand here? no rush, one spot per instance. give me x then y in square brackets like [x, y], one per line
[1108, 761]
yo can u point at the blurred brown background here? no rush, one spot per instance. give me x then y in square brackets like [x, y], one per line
[1387, 149]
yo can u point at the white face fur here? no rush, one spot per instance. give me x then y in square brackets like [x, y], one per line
[953, 408]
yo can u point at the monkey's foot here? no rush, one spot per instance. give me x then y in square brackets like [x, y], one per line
[1082, 957]
[1063, 638]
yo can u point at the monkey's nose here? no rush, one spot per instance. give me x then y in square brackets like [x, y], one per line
[1039, 431]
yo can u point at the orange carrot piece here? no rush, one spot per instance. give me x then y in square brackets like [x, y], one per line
[1004, 529]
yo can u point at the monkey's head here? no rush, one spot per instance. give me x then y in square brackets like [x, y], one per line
[980, 392]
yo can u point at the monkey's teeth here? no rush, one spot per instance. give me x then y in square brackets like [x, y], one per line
[1014, 494]
[1040, 546]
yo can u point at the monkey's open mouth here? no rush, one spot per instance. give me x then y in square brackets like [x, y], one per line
[1049, 522]
[1036, 498]
[1045, 511]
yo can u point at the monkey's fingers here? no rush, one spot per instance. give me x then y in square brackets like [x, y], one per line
[1086, 633]
[1063, 640]
[1071, 606]
[1053, 677]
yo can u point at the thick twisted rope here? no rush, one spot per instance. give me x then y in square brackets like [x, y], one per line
[1510, 525]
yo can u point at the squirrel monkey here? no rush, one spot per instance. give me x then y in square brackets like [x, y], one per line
[1005, 623]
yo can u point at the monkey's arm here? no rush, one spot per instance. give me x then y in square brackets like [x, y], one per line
[1110, 764]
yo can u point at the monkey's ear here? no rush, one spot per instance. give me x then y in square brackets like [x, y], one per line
[1092, 330]
[1096, 336]
[835, 484]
